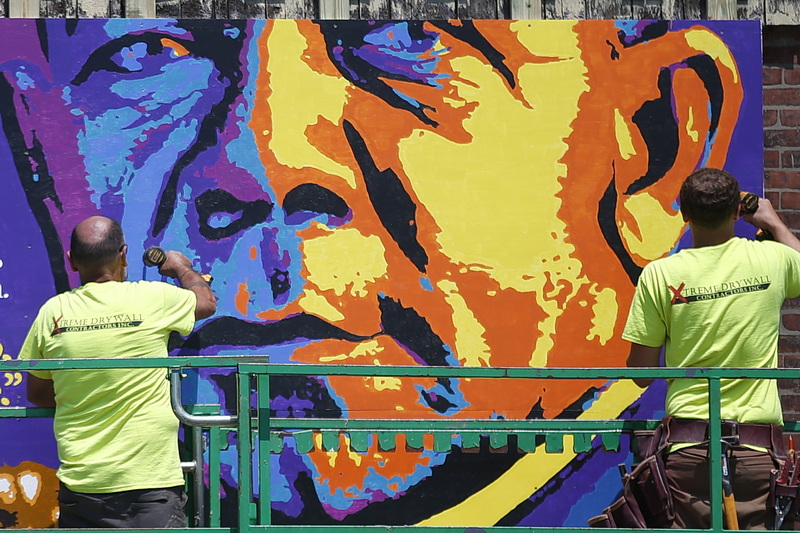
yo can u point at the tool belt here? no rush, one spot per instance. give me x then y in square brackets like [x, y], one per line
[646, 501]
[681, 430]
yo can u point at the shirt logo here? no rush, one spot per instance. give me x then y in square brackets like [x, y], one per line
[120, 321]
[685, 295]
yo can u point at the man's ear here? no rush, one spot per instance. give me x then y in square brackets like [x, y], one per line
[72, 264]
[123, 255]
[683, 94]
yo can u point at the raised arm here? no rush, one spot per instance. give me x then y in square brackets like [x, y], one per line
[767, 219]
[179, 267]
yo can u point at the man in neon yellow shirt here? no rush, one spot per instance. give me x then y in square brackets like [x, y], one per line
[116, 434]
[718, 305]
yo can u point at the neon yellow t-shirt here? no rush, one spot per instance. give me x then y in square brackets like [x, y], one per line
[114, 428]
[717, 306]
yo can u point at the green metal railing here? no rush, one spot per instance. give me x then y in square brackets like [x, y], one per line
[260, 432]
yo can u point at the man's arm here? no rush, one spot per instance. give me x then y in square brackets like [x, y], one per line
[179, 267]
[643, 356]
[767, 219]
[41, 392]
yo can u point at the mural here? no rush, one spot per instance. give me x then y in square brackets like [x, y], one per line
[463, 193]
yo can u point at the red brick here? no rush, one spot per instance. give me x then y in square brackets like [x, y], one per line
[792, 303]
[791, 404]
[781, 179]
[792, 219]
[790, 200]
[773, 138]
[774, 96]
[770, 117]
[774, 197]
[772, 75]
[791, 76]
[791, 321]
[790, 159]
[790, 117]
[791, 361]
[772, 159]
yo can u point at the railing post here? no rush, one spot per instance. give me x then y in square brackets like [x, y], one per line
[715, 452]
[244, 447]
[264, 481]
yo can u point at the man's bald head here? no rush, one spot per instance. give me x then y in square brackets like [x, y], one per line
[96, 242]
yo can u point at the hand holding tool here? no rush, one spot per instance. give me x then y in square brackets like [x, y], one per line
[156, 256]
[749, 203]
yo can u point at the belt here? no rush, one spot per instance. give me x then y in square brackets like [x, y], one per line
[767, 436]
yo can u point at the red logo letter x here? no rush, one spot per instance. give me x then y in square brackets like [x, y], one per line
[676, 294]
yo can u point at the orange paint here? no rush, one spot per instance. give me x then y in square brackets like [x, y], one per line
[242, 298]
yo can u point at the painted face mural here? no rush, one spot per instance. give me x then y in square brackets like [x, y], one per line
[464, 193]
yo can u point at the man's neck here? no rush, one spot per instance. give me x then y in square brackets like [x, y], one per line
[100, 277]
[702, 237]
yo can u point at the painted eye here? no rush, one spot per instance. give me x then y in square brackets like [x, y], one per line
[147, 52]
[222, 215]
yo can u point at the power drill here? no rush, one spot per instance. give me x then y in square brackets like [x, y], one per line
[749, 203]
[155, 256]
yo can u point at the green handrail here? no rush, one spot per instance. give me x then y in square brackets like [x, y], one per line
[268, 431]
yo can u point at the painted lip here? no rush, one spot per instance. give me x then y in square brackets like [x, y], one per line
[232, 331]
[404, 325]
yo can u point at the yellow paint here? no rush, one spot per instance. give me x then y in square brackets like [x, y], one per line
[315, 304]
[370, 347]
[690, 131]
[470, 346]
[658, 230]
[511, 161]
[386, 383]
[623, 134]
[294, 84]
[331, 270]
[486, 507]
[711, 45]
[605, 311]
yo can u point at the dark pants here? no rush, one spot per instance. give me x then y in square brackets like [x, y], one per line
[688, 477]
[148, 508]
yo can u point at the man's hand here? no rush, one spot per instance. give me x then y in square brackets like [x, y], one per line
[174, 265]
[767, 219]
[643, 356]
[179, 267]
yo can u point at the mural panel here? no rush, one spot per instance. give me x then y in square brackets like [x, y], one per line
[461, 193]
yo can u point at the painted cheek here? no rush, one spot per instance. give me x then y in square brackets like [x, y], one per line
[341, 269]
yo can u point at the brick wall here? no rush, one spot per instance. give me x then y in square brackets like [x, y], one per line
[781, 81]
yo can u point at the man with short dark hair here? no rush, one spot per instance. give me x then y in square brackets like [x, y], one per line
[117, 436]
[718, 305]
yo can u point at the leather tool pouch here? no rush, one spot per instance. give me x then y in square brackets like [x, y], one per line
[781, 493]
[646, 501]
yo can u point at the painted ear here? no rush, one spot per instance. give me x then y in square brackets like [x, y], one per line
[682, 119]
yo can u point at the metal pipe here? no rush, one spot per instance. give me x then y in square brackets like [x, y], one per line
[188, 419]
[199, 485]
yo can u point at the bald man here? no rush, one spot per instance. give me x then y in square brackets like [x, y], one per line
[116, 434]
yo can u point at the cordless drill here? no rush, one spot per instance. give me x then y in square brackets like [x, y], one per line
[155, 256]
[749, 203]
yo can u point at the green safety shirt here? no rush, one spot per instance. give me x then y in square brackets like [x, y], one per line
[717, 306]
[114, 428]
